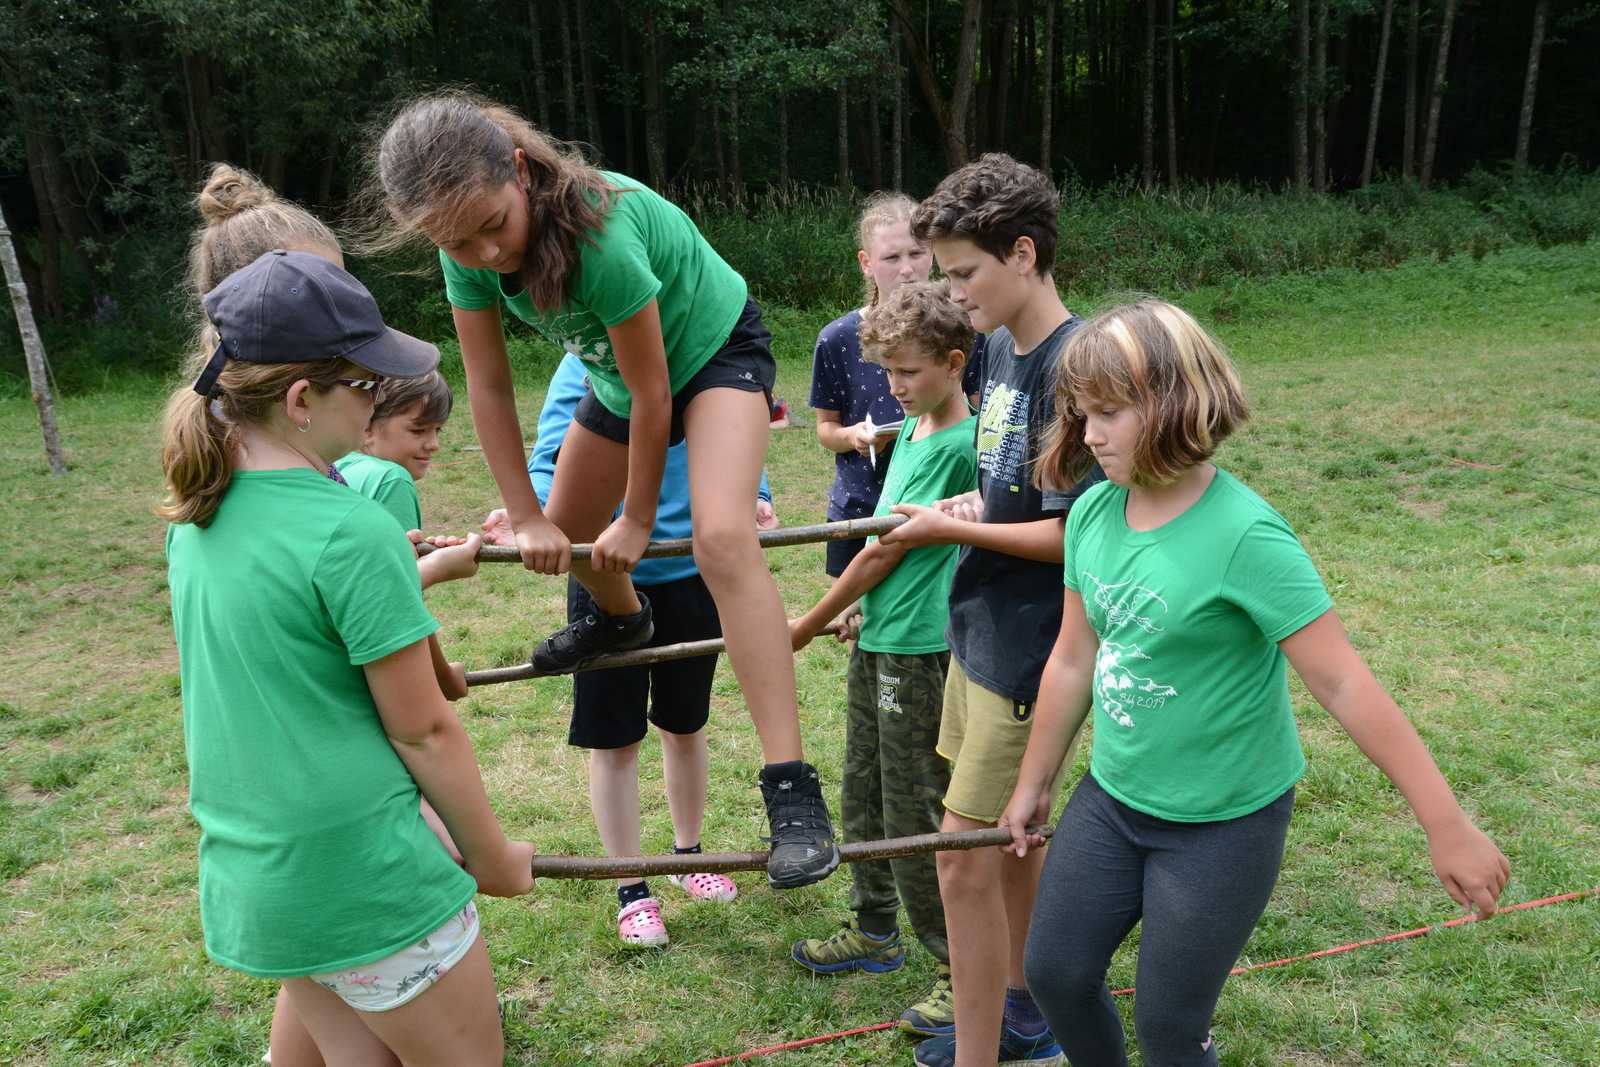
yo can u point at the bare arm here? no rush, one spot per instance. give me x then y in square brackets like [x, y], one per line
[492, 395]
[641, 357]
[957, 522]
[1473, 870]
[872, 565]
[433, 745]
[1065, 697]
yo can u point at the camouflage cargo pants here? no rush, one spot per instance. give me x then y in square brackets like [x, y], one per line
[894, 784]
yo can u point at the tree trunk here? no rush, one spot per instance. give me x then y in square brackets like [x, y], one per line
[591, 110]
[568, 91]
[1430, 143]
[33, 350]
[1147, 117]
[842, 134]
[1005, 48]
[874, 132]
[1370, 156]
[1047, 88]
[655, 136]
[953, 112]
[783, 142]
[1319, 99]
[1541, 11]
[541, 88]
[897, 136]
[1172, 96]
[627, 90]
[1408, 151]
[1302, 94]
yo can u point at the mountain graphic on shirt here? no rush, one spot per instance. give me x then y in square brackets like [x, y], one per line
[1119, 690]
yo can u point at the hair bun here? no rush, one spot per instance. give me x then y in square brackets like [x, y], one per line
[228, 192]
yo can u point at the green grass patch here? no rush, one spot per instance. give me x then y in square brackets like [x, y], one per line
[1430, 431]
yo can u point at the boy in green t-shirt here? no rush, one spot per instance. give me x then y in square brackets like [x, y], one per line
[894, 779]
[395, 453]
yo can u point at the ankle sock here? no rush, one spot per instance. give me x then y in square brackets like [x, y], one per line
[627, 894]
[1022, 1014]
[692, 850]
[877, 927]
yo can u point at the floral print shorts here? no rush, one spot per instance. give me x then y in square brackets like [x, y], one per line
[385, 984]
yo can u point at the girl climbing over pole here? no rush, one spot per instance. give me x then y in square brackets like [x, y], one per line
[675, 350]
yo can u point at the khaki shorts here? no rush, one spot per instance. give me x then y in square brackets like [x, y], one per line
[984, 735]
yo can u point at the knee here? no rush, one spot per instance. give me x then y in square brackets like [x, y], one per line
[721, 546]
[1059, 979]
[615, 759]
[964, 879]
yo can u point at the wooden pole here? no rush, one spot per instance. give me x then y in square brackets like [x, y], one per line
[601, 867]
[684, 546]
[33, 349]
[634, 657]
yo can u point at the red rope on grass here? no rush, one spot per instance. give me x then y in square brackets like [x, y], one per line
[788, 1045]
[1237, 970]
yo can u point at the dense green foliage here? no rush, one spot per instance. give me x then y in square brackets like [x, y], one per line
[797, 249]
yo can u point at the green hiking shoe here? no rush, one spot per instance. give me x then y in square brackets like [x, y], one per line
[851, 949]
[934, 1013]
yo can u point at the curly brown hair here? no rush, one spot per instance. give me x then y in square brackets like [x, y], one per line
[917, 314]
[992, 202]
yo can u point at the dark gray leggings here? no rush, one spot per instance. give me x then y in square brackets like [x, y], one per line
[1199, 889]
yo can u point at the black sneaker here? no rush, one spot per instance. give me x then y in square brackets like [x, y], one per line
[586, 639]
[803, 848]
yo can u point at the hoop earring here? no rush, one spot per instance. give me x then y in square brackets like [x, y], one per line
[306, 428]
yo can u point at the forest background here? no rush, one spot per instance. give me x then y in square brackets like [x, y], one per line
[1195, 140]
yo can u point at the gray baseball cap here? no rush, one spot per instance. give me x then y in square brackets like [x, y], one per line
[297, 307]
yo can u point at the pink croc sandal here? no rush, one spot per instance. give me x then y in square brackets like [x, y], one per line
[705, 886]
[640, 926]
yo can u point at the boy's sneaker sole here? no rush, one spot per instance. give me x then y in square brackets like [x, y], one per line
[584, 640]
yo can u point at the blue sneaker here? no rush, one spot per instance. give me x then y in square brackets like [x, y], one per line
[1015, 1050]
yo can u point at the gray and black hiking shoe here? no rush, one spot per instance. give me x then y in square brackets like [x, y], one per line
[586, 639]
[803, 847]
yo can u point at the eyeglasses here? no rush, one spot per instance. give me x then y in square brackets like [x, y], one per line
[362, 383]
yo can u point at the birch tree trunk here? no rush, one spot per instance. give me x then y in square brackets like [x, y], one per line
[1370, 157]
[1319, 99]
[1147, 116]
[33, 349]
[1172, 104]
[1430, 143]
[1541, 12]
[1408, 152]
[1302, 94]
[1048, 88]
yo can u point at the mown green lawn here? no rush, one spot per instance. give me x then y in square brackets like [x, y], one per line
[1433, 433]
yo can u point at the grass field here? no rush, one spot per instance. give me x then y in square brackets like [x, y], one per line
[1433, 433]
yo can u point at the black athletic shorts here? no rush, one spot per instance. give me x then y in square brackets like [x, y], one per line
[610, 708]
[744, 362]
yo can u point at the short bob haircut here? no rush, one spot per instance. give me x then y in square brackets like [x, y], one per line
[396, 396]
[1156, 358]
[918, 315]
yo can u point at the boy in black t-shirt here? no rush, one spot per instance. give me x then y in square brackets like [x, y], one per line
[1006, 597]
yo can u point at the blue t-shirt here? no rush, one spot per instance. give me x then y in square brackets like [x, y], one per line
[673, 521]
[844, 382]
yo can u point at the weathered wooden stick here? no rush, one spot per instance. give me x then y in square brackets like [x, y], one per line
[683, 546]
[633, 657]
[598, 867]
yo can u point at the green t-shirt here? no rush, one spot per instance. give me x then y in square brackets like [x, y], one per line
[1192, 720]
[313, 854]
[648, 250]
[905, 614]
[388, 483]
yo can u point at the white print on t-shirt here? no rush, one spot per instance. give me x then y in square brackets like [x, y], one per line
[1119, 689]
[1000, 446]
[1125, 603]
[574, 347]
